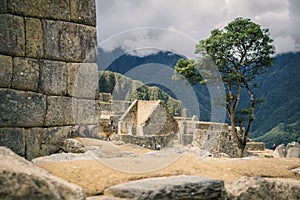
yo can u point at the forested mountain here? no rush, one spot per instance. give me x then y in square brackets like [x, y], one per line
[124, 88]
[277, 119]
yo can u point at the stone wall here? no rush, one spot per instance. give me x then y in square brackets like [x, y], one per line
[127, 123]
[48, 75]
[213, 137]
[150, 142]
[255, 146]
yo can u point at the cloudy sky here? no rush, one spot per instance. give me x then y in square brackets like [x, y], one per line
[129, 23]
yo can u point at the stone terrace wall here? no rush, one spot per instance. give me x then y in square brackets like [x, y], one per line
[48, 75]
[255, 146]
[150, 142]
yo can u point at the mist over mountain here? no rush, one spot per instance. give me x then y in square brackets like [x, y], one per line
[276, 118]
[122, 62]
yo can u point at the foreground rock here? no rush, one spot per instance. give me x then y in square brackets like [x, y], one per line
[176, 187]
[280, 151]
[263, 189]
[20, 179]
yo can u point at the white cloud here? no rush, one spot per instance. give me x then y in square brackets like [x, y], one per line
[285, 44]
[148, 40]
[196, 18]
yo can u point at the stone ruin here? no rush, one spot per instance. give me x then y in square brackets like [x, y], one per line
[149, 123]
[213, 137]
[49, 87]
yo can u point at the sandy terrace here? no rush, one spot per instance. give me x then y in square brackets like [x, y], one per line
[95, 175]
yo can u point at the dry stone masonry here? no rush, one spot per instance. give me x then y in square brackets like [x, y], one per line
[213, 137]
[147, 123]
[48, 75]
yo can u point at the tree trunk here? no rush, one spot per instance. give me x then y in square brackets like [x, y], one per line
[240, 141]
[241, 147]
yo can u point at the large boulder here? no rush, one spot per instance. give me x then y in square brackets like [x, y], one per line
[263, 189]
[280, 151]
[293, 150]
[176, 187]
[20, 179]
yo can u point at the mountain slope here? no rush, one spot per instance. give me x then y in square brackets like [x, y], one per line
[280, 88]
[282, 133]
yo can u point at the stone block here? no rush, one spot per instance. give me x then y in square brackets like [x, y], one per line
[78, 43]
[176, 187]
[46, 141]
[53, 78]
[69, 41]
[25, 74]
[12, 35]
[83, 12]
[3, 7]
[34, 38]
[82, 80]
[61, 111]
[86, 112]
[21, 109]
[52, 32]
[6, 67]
[51, 9]
[14, 139]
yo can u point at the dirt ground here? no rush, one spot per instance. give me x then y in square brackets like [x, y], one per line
[94, 176]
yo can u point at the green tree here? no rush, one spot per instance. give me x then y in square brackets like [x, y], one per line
[240, 52]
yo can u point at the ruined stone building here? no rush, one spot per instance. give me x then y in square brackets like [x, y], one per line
[147, 123]
[146, 118]
[213, 137]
